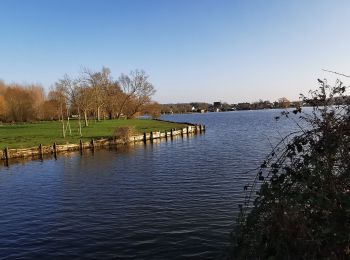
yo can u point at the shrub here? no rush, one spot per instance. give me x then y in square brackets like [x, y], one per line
[299, 203]
[124, 133]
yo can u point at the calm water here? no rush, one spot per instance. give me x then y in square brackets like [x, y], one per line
[173, 199]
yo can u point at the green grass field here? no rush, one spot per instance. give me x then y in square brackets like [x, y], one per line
[46, 133]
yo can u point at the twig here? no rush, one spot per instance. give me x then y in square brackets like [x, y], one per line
[336, 73]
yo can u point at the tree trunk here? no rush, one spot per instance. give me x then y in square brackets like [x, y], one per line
[98, 114]
[63, 131]
[68, 124]
[135, 110]
[79, 122]
[85, 118]
[122, 106]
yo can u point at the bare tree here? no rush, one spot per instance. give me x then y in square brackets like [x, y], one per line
[152, 109]
[92, 91]
[49, 110]
[137, 89]
[85, 100]
[68, 89]
[38, 96]
[19, 103]
[99, 82]
[58, 96]
[3, 106]
[114, 96]
[283, 102]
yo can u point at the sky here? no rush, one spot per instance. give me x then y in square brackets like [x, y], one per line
[193, 50]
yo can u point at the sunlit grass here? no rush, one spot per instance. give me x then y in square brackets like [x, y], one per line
[46, 133]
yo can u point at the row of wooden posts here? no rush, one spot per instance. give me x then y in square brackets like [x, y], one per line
[152, 136]
[197, 129]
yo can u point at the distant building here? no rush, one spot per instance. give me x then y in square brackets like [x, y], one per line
[217, 106]
[243, 106]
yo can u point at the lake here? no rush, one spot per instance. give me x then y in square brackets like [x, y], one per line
[167, 200]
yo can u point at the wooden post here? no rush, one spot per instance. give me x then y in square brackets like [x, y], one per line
[41, 151]
[166, 134]
[6, 153]
[151, 137]
[171, 133]
[144, 137]
[81, 146]
[92, 146]
[187, 128]
[200, 128]
[54, 150]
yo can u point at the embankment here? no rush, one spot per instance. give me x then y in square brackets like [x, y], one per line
[55, 149]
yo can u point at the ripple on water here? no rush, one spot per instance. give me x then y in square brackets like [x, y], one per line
[174, 199]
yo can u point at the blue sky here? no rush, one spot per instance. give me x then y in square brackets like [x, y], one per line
[193, 50]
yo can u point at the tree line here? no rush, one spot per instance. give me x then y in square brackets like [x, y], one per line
[223, 106]
[92, 94]
[196, 107]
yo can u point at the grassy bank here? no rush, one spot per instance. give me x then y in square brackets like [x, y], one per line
[46, 133]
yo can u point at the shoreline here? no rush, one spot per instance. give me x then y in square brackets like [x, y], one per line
[56, 149]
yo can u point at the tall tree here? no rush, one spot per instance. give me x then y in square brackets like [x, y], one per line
[2, 100]
[99, 82]
[283, 102]
[114, 95]
[137, 88]
[59, 96]
[85, 100]
[19, 103]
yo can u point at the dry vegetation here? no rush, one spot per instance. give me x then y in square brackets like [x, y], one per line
[90, 95]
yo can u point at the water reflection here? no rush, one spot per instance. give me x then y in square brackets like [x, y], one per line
[89, 153]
